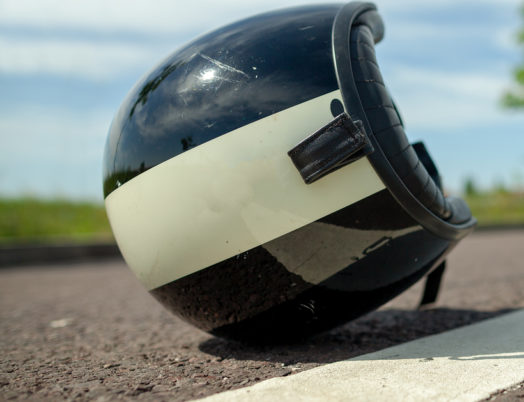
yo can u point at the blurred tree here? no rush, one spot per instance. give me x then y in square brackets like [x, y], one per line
[515, 98]
[470, 188]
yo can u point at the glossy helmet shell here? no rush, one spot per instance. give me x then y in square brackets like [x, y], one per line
[212, 215]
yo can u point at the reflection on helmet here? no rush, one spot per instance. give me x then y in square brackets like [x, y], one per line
[216, 219]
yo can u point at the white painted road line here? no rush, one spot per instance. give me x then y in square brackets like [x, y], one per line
[465, 364]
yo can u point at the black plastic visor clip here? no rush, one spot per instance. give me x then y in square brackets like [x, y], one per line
[333, 146]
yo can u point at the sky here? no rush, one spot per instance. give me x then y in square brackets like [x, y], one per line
[65, 67]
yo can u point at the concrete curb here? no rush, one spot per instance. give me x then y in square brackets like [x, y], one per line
[38, 254]
[464, 364]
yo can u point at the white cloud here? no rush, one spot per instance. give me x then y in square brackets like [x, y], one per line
[169, 15]
[506, 38]
[52, 131]
[401, 5]
[101, 60]
[160, 16]
[50, 151]
[77, 58]
[436, 99]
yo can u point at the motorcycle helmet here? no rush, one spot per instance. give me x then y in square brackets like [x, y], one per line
[260, 185]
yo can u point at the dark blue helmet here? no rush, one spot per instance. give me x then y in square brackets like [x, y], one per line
[260, 184]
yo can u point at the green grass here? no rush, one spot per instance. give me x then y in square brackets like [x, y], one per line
[29, 220]
[32, 220]
[497, 208]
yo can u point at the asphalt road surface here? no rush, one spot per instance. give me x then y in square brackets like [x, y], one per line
[89, 331]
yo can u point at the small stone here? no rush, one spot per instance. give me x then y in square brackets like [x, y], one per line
[111, 365]
[61, 323]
